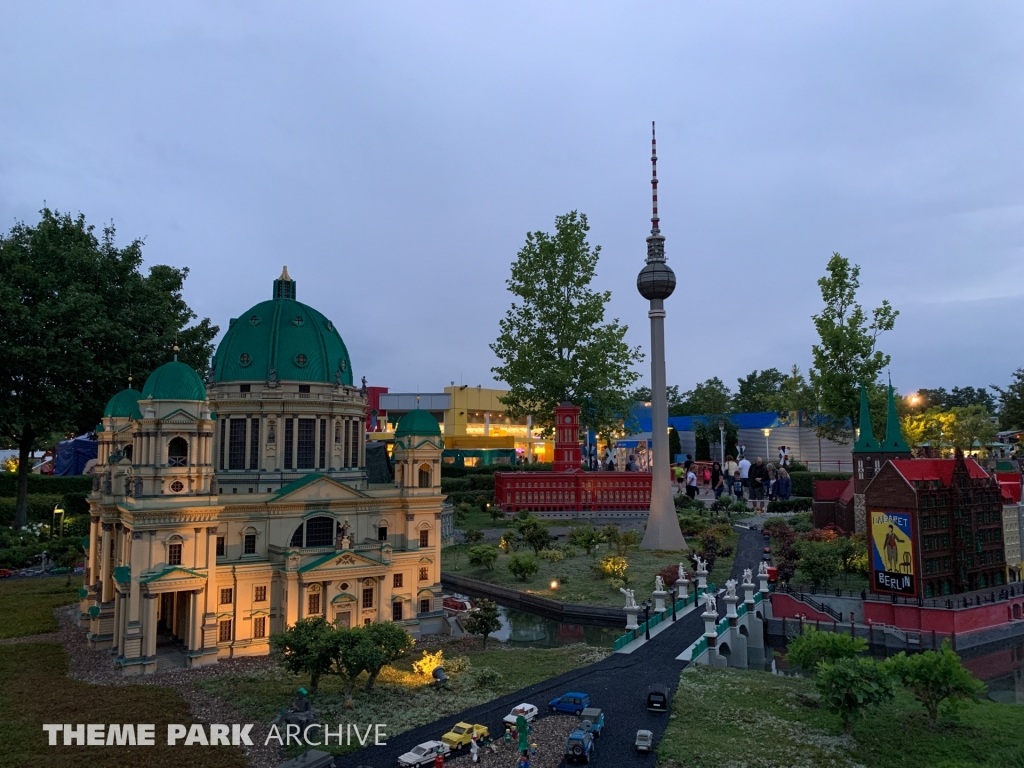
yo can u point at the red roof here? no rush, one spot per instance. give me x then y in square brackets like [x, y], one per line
[1009, 484]
[935, 469]
[832, 490]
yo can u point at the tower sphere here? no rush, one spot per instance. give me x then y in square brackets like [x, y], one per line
[656, 281]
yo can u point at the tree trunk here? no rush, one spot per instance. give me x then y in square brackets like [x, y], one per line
[314, 682]
[349, 703]
[485, 642]
[371, 680]
[24, 468]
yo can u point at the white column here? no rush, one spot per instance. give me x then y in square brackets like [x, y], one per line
[106, 586]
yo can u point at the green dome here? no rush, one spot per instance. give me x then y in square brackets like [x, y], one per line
[284, 337]
[174, 381]
[417, 423]
[124, 405]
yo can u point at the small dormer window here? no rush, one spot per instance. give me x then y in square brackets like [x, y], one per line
[303, 388]
[301, 360]
[244, 387]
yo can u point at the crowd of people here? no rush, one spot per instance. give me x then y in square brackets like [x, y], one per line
[758, 482]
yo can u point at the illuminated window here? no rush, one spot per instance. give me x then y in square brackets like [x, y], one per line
[225, 631]
[314, 603]
[174, 554]
[398, 581]
[259, 595]
[226, 595]
[367, 597]
[424, 574]
[425, 476]
[424, 538]
[259, 626]
[425, 605]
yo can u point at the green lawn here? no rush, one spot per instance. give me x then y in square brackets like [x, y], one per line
[724, 717]
[401, 698]
[26, 605]
[478, 518]
[577, 579]
[36, 690]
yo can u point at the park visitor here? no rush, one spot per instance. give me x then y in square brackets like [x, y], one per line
[744, 468]
[737, 485]
[785, 487]
[691, 483]
[717, 480]
[756, 477]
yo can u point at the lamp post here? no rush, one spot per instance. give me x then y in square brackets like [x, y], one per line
[656, 282]
[721, 439]
[647, 619]
[767, 451]
[58, 512]
[674, 598]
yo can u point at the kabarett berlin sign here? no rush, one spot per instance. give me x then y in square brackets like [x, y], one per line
[892, 553]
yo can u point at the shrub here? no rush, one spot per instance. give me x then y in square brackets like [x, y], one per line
[585, 537]
[669, 574]
[522, 566]
[449, 484]
[40, 506]
[935, 678]
[486, 677]
[426, 665]
[801, 522]
[551, 555]
[481, 482]
[46, 484]
[473, 536]
[509, 542]
[685, 502]
[613, 566]
[847, 686]
[790, 505]
[457, 665]
[739, 506]
[693, 525]
[568, 550]
[819, 560]
[813, 647]
[616, 584]
[482, 556]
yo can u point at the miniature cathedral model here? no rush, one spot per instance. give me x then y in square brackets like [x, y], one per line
[226, 510]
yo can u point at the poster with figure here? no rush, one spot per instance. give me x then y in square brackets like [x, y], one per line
[892, 553]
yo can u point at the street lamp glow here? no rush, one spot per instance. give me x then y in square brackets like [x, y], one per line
[554, 584]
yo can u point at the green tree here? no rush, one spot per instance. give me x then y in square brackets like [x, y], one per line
[847, 686]
[386, 643]
[674, 446]
[971, 424]
[962, 397]
[711, 396]
[758, 391]
[794, 394]
[846, 355]
[554, 343]
[531, 531]
[307, 648]
[473, 535]
[483, 620]
[819, 560]
[352, 655]
[585, 537]
[78, 318]
[643, 395]
[483, 556]
[706, 433]
[1011, 402]
[813, 647]
[627, 540]
[934, 677]
[522, 566]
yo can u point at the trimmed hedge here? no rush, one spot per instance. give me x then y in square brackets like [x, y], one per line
[457, 497]
[803, 482]
[790, 505]
[451, 484]
[45, 484]
[40, 506]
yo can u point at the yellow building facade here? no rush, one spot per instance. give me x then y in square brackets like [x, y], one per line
[225, 510]
[478, 420]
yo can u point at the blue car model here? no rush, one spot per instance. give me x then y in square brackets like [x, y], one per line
[592, 720]
[579, 747]
[573, 703]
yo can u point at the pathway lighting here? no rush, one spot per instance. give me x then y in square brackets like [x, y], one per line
[554, 585]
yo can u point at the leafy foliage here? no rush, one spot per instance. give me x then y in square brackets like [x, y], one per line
[385, 643]
[554, 343]
[711, 396]
[307, 648]
[613, 566]
[79, 317]
[483, 556]
[813, 647]
[819, 560]
[428, 662]
[934, 678]
[522, 566]
[1011, 402]
[484, 619]
[849, 685]
[758, 391]
[585, 537]
[473, 536]
[706, 432]
[846, 355]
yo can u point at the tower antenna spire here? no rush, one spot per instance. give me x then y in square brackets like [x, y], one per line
[654, 182]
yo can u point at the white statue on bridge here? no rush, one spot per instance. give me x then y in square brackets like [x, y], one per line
[710, 604]
[730, 587]
[682, 573]
[659, 583]
[702, 564]
[748, 576]
[630, 600]
[762, 568]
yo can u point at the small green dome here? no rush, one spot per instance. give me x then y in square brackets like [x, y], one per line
[124, 405]
[174, 381]
[282, 339]
[417, 423]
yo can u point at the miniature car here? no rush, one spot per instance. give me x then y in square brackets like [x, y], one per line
[526, 710]
[767, 550]
[592, 719]
[766, 557]
[5, 572]
[657, 698]
[572, 703]
[579, 747]
[462, 733]
[423, 754]
[644, 741]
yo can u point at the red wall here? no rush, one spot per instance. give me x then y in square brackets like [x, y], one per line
[787, 607]
[940, 619]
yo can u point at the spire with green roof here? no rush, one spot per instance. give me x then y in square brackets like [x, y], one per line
[866, 442]
[894, 442]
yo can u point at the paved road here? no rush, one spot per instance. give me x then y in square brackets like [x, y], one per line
[617, 684]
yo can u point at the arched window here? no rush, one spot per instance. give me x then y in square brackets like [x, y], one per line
[315, 532]
[426, 479]
[177, 452]
[128, 451]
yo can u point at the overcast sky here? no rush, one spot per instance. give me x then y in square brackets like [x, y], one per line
[394, 155]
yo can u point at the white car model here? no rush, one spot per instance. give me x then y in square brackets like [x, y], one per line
[644, 741]
[423, 754]
[526, 710]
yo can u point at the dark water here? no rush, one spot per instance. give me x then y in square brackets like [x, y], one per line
[526, 630]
